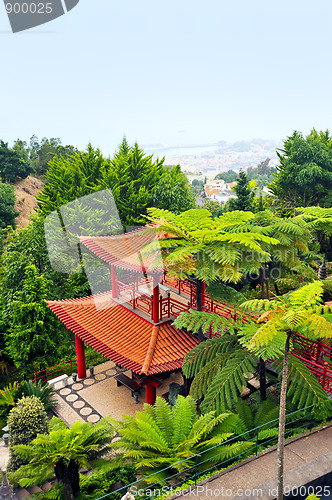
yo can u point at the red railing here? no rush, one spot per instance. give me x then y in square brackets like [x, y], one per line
[317, 356]
[66, 367]
[142, 302]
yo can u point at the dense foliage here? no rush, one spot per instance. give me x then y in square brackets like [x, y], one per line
[7, 206]
[25, 421]
[12, 165]
[62, 453]
[136, 180]
[161, 437]
[244, 195]
[304, 175]
[34, 335]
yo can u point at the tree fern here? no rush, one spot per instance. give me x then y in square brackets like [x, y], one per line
[163, 416]
[205, 352]
[228, 384]
[195, 320]
[191, 435]
[183, 419]
[304, 389]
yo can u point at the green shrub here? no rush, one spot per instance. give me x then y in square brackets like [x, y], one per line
[327, 286]
[25, 421]
[100, 483]
[42, 391]
[8, 399]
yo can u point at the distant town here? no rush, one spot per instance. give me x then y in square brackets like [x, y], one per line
[211, 159]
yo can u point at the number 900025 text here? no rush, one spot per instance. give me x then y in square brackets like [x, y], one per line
[29, 8]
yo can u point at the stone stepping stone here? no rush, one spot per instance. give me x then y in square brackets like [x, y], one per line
[85, 411]
[65, 392]
[89, 381]
[111, 372]
[71, 397]
[78, 404]
[77, 387]
[100, 376]
[93, 418]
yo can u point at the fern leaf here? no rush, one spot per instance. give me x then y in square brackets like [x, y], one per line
[304, 389]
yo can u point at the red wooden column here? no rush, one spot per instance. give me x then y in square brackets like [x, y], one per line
[155, 301]
[150, 392]
[114, 283]
[203, 294]
[81, 368]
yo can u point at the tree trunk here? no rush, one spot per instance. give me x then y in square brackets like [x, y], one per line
[68, 475]
[262, 379]
[282, 416]
[199, 290]
[261, 281]
[266, 281]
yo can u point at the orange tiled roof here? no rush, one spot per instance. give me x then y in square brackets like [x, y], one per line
[209, 190]
[123, 250]
[123, 337]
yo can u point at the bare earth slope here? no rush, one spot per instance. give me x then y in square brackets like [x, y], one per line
[25, 192]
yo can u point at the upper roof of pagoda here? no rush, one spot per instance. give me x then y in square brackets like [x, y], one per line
[122, 336]
[125, 250]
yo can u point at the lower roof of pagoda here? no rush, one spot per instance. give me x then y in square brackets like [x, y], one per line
[125, 251]
[122, 336]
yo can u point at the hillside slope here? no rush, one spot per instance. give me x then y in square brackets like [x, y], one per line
[25, 192]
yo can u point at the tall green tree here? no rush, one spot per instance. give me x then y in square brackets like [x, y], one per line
[136, 180]
[173, 191]
[244, 195]
[229, 176]
[304, 174]
[34, 334]
[139, 182]
[299, 311]
[63, 452]
[7, 206]
[42, 152]
[12, 165]
[71, 178]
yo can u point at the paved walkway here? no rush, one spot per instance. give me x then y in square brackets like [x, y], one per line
[73, 394]
[98, 396]
[306, 459]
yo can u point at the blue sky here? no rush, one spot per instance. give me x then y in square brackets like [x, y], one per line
[175, 72]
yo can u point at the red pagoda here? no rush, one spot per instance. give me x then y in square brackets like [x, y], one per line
[132, 324]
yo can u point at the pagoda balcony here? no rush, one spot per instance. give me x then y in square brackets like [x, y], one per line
[174, 296]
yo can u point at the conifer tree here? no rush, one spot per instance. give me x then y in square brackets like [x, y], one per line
[34, 334]
[244, 195]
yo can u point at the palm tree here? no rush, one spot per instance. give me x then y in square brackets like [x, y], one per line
[162, 441]
[193, 244]
[300, 310]
[63, 452]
